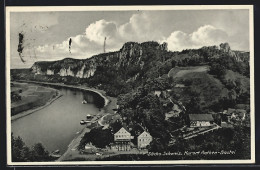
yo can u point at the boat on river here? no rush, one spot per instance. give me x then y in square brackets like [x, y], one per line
[56, 151]
[82, 122]
[89, 116]
[84, 102]
[55, 154]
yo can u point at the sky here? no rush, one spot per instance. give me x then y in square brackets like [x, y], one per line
[47, 34]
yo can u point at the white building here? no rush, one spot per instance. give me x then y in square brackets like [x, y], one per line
[144, 140]
[200, 120]
[157, 93]
[122, 135]
[122, 140]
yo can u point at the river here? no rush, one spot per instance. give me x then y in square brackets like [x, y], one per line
[57, 124]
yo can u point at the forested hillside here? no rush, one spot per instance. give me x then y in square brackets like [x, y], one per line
[209, 79]
[133, 65]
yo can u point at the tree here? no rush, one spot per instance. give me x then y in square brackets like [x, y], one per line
[39, 152]
[116, 126]
[17, 147]
[156, 146]
[193, 107]
[217, 69]
[98, 137]
[22, 153]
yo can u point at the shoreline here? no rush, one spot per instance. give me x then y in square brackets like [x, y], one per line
[108, 108]
[106, 100]
[32, 110]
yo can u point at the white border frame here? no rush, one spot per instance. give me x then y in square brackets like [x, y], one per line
[130, 8]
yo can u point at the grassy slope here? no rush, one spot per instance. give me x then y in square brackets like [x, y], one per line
[207, 86]
[32, 96]
[181, 71]
[233, 76]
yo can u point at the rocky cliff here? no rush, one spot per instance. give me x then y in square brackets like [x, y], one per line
[132, 65]
[136, 60]
[65, 67]
[225, 48]
[130, 54]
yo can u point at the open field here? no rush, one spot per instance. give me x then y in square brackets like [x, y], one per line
[32, 96]
[181, 71]
[207, 88]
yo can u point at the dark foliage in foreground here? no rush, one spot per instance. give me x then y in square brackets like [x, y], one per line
[98, 137]
[22, 153]
[235, 139]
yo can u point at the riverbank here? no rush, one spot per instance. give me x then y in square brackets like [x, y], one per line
[109, 106]
[36, 107]
[80, 87]
[110, 103]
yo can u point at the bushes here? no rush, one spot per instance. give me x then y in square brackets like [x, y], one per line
[22, 153]
[223, 63]
[236, 140]
[98, 137]
[15, 97]
[218, 70]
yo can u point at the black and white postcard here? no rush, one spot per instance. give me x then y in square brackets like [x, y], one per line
[130, 85]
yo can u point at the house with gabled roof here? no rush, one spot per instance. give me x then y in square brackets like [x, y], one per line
[200, 120]
[122, 139]
[122, 135]
[241, 114]
[157, 93]
[143, 140]
[235, 114]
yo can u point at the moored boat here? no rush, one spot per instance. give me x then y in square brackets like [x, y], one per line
[56, 151]
[82, 122]
[89, 116]
[55, 155]
[84, 102]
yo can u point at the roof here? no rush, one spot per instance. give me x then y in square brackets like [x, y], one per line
[241, 111]
[241, 106]
[237, 111]
[230, 111]
[172, 112]
[226, 125]
[122, 130]
[144, 134]
[202, 117]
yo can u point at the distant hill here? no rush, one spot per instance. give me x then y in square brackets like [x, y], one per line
[129, 67]
[200, 80]
[207, 88]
